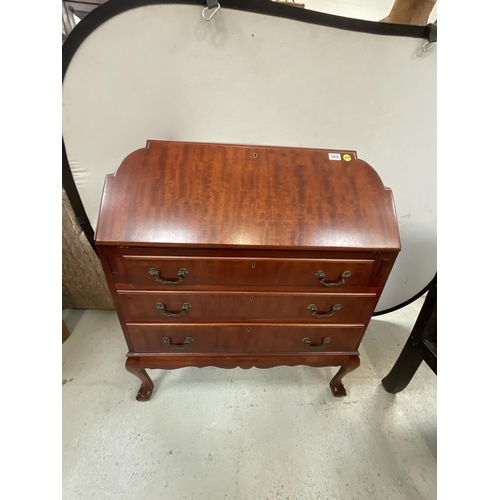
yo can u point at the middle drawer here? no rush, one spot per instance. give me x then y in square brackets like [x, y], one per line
[187, 307]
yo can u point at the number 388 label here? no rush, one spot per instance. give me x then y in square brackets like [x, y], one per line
[337, 156]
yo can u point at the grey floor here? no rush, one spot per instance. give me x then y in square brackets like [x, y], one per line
[244, 434]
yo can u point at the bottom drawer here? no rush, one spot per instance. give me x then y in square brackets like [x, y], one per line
[244, 338]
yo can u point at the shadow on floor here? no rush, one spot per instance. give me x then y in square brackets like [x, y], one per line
[382, 343]
[71, 317]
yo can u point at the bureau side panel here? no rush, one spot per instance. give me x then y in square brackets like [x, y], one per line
[380, 274]
[106, 256]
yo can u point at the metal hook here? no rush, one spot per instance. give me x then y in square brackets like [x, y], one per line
[212, 14]
[428, 46]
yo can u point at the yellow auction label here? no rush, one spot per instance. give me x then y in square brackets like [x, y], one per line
[347, 157]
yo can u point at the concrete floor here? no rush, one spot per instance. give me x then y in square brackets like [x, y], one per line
[244, 434]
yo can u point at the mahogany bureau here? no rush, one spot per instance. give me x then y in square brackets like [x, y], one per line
[227, 256]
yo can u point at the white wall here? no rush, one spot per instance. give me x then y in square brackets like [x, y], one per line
[369, 10]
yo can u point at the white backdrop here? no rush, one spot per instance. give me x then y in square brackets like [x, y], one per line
[162, 72]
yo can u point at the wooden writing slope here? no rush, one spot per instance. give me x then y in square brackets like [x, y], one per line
[223, 255]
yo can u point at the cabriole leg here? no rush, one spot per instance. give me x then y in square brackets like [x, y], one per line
[336, 385]
[146, 390]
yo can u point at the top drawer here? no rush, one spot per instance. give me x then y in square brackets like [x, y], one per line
[185, 272]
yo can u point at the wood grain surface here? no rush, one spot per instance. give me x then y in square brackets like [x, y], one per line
[140, 307]
[216, 271]
[244, 338]
[186, 194]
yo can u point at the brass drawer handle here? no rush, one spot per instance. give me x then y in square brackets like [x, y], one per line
[182, 312]
[183, 272]
[314, 309]
[307, 342]
[177, 347]
[322, 276]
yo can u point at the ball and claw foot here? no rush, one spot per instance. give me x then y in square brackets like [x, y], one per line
[336, 385]
[145, 392]
[338, 389]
